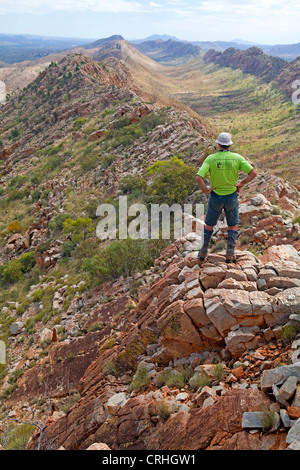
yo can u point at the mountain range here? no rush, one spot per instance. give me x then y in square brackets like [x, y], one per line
[18, 48]
[113, 344]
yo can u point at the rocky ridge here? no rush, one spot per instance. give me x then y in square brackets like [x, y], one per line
[252, 60]
[174, 326]
[175, 347]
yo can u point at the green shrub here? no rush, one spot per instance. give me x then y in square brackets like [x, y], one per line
[17, 373]
[95, 327]
[219, 246]
[14, 133]
[18, 437]
[67, 249]
[37, 295]
[268, 419]
[219, 371]
[35, 196]
[79, 227]
[8, 391]
[141, 379]
[175, 378]
[27, 261]
[16, 195]
[172, 181]
[289, 332]
[53, 150]
[162, 410]
[296, 220]
[122, 258]
[17, 181]
[107, 161]
[149, 122]
[245, 239]
[89, 163]
[199, 380]
[53, 163]
[79, 123]
[122, 122]
[57, 223]
[133, 184]
[124, 136]
[11, 272]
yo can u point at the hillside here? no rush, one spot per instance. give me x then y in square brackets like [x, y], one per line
[253, 61]
[20, 47]
[170, 51]
[120, 342]
[259, 113]
[287, 76]
[146, 73]
[287, 52]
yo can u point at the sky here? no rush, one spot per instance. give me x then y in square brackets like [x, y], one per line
[259, 21]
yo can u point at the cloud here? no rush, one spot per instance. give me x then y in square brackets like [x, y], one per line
[265, 21]
[155, 5]
[46, 6]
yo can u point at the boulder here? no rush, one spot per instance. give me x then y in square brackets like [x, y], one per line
[241, 340]
[195, 310]
[282, 253]
[98, 446]
[294, 433]
[288, 388]
[278, 375]
[15, 328]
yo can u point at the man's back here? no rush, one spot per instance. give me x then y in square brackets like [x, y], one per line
[223, 169]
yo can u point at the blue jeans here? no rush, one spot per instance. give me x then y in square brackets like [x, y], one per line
[217, 203]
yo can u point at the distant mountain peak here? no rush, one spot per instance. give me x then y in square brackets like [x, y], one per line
[155, 37]
[104, 41]
[243, 41]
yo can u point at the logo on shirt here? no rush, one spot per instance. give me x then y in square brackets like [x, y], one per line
[224, 165]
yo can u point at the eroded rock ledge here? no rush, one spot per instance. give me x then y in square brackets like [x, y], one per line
[189, 314]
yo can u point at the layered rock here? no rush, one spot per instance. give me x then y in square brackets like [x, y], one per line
[182, 316]
[195, 308]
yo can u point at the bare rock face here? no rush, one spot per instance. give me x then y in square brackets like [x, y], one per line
[178, 317]
[220, 304]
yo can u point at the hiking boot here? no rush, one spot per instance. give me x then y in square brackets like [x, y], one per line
[230, 259]
[202, 256]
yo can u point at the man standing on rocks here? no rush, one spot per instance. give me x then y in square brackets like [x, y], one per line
[223, 168]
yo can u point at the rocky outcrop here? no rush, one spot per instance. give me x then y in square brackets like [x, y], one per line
[287, 76]
[192, 308]
[166, 51]
[190, 314]
[252, 60]
[174, 347]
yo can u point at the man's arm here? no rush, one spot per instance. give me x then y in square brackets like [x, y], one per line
[250, 177]
[202, 185]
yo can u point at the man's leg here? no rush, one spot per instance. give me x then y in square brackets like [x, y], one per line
[232, 217]
[207, 233]
[231, 242]
[214, 209]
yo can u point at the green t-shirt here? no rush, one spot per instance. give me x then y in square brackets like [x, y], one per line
[223, 169]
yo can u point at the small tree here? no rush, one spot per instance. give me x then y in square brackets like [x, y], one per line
[173, 181]
[79, 228]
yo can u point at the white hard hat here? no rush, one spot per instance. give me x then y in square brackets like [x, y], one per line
[224, 139]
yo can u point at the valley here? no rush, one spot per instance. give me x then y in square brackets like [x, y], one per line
[113, 344]
[258, 112]
[264, 124]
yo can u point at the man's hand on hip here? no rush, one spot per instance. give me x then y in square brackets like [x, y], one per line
[239, 187]
[208, 191]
